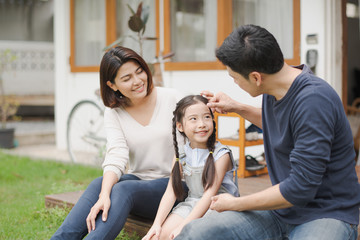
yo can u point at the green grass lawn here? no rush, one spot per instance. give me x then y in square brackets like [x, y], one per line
[23, 186]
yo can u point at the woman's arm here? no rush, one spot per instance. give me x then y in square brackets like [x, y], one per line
[117, 149]
[202, 206]
[103, 203]
[166, 204]
[114, 165]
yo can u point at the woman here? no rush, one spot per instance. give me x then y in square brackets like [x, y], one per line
[138, 126]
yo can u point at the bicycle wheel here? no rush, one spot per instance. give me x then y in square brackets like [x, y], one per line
[86, 138]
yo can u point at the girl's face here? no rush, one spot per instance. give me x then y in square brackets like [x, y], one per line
[131, 81]
[197, 124]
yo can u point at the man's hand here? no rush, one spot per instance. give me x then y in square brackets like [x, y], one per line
[222, 202]
[220, 102]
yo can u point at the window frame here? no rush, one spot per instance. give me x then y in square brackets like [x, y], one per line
[110, 31]
[224, 27]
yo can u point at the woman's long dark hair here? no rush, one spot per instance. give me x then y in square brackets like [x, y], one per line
[109, 67]
[208, 175]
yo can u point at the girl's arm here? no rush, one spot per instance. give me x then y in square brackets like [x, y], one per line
[166, 204]
[222, 165]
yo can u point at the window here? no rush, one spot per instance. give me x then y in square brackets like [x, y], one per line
[96, 24]
[275, 16]
[194, 28]
[123, 14]
[29, 20]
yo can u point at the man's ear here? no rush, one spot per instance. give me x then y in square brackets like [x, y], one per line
[111, 85]
[179, 127]
[256, 77]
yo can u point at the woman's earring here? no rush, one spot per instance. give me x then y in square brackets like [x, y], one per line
[119, 94]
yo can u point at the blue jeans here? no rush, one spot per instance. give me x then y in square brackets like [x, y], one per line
[261, 225]
[129, 195]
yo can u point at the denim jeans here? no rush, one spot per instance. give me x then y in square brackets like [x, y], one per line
[129, 195]
[261, 225]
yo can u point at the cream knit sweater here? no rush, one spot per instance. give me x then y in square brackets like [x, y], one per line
[148, 150]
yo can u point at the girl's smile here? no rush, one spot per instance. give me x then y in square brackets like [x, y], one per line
[197, 124]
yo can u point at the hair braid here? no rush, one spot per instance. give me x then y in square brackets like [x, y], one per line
[175, 173]
[208, 175]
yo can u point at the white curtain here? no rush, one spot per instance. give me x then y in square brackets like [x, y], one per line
[26, 20]
[194, 30]
[90, 32]
[275, 15]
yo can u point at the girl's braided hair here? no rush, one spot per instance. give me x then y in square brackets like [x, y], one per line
[208, 175]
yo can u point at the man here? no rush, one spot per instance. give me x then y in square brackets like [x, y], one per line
[308, 148]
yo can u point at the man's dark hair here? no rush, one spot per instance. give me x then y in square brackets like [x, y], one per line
[251, 48]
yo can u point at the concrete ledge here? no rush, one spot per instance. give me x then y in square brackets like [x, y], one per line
[140, 225]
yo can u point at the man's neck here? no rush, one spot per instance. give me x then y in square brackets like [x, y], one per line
[278, 84]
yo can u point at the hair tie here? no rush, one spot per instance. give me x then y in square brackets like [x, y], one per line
[177, 159]
[211, 152]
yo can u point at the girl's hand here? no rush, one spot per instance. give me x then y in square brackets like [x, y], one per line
[102, 204]
[154, 232]
[222, 202]
[176, 232]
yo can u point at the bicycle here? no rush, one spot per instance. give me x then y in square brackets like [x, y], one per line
[85, 137]
[85, 134]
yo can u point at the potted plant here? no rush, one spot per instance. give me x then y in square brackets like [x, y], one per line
[8, 105]
[137, 24]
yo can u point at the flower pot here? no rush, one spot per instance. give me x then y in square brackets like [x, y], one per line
[7, 137]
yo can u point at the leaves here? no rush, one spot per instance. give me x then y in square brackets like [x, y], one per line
[135, 23]
[8, 105]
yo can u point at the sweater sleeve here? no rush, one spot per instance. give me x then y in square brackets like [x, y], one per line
[312, 125]
[117, 153]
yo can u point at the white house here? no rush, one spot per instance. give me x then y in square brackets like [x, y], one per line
[192, 29]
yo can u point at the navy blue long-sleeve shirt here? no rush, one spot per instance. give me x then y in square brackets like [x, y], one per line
[309, 151]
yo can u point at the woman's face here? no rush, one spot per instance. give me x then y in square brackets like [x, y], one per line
[131, 81]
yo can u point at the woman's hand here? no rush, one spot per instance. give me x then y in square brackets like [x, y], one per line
[222, 202]
[153, 233]
[102, 204]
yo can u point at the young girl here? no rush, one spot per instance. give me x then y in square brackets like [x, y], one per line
[206, 165]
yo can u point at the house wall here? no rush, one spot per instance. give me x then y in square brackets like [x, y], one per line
[71, 87]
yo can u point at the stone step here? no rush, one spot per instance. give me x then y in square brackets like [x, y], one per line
[133, 223]
[141, 226]
[33, 132]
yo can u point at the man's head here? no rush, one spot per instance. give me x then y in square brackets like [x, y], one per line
[251, 48]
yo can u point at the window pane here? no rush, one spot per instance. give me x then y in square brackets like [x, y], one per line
[90, 35]
[193, 30]
[29, 20]
[123, 14]
[276, 16]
